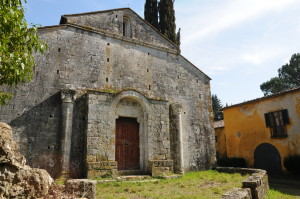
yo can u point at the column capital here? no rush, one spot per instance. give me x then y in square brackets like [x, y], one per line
[68, 96]
[176, 108]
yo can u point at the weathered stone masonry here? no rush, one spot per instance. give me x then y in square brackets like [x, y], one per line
[110, 75]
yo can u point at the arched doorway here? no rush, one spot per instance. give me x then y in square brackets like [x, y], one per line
[267, 157]
[129, 143]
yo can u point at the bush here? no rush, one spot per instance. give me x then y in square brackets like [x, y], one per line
[232, 162]
[292, 164]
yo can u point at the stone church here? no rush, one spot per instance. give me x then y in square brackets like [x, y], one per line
[112, 95]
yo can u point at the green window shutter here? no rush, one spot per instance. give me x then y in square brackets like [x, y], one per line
[285, 116]
[268, 119]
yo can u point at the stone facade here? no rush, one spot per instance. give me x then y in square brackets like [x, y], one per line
[96, 70]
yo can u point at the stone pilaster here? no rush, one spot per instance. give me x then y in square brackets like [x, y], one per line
[68, 98]
[175, 117]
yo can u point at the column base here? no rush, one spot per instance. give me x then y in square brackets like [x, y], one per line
[161, 167]
[102, 169]
[65, 174]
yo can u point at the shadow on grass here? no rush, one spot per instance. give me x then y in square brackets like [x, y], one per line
[289, 185]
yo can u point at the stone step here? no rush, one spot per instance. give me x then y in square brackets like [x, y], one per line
[133, 177]
[130, 172]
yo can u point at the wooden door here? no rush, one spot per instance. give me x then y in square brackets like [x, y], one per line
[267, 157]
[127, 143]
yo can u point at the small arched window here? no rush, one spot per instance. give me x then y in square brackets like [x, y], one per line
[126, 27]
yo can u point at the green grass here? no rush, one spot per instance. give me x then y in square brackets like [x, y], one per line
[276, 194]
[204, 185]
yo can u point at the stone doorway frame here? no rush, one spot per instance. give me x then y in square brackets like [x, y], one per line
[142, 120]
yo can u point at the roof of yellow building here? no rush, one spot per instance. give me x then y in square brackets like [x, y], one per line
[219, 124]
[265, 97]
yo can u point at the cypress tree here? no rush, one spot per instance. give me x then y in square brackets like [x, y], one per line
[178, 42]
[167, 24]
[151, 13]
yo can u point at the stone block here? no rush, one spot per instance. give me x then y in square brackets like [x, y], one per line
[161, 167]
[160, 171]
[91, 158]
[82, 188]
[103, 165]
[101, 158]
[93, 173]
[237, 193]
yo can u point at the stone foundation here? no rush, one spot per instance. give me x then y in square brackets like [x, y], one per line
[102, 169]
[161, 167]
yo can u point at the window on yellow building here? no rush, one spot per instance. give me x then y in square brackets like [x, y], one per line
[277, 122]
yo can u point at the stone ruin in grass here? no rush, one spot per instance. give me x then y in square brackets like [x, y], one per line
[18, 180]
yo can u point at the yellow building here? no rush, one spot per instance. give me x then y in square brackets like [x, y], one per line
[220, 139]
[263, 131]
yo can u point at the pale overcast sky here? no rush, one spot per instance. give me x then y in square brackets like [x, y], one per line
[238, 43]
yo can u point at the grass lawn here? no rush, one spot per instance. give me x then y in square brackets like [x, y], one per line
[203, 184]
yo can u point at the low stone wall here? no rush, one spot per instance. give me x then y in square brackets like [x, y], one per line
[257, 183]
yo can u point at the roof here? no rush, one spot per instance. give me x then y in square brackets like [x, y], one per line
[95, 12]
[219, 124]
[265, 97]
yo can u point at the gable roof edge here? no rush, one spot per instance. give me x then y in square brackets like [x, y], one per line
[195, 67]
[265, 97]
[103, 32]
[102, 11]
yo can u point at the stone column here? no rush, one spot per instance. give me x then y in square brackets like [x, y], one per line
[68, 98]
[176, 110]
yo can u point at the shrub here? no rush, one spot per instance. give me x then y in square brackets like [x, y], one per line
[292, 164]
[232, 162]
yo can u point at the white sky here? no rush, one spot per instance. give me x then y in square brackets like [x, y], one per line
[238, 43]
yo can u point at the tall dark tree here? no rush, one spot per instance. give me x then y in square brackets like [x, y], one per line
[178, 39]
[288, 77]
[151, 13]
[167, 24]
[217, 108]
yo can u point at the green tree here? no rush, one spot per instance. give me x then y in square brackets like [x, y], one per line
[217, 108]
[167, 24]
[288, 77]
[151, 13]
[17, 45]
[274, 85]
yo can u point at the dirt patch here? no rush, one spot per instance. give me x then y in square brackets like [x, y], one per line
[208, 185]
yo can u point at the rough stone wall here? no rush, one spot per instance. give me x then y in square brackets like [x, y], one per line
[36, 126]
[84, 60]
[154, 129]
[112, 22]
